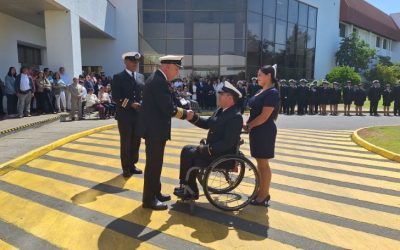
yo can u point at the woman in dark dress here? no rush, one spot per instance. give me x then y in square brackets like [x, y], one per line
[387, 99]
[359, 98]
[264, 108]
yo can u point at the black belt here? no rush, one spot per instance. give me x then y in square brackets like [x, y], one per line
[26, 91]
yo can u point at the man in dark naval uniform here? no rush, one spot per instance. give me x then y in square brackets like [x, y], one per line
[223, 136]
[374, 96]
[127, 94]
[396, 98]
[155, 127]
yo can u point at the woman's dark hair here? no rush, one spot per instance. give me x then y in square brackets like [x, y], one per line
[268, 69]
[23, 68]
[9, 72]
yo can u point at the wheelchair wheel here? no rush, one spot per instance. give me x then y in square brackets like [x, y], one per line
[232, 188]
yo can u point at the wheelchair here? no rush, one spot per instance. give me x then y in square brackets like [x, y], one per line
[229, 183]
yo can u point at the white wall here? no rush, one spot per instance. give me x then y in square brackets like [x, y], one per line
[13, 30]
[98, 13]
[396, 52]
[107, 52]
[327, 35]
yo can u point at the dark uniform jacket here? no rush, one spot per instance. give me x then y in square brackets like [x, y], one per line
[336, 95]
[396, 93]
[125, 91]
[348, 95]
[158, 106]
[374, 94]
[359, 97]
[224, 131]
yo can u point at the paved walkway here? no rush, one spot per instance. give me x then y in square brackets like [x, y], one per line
[14, 124]
[327, 193]
[16, 144]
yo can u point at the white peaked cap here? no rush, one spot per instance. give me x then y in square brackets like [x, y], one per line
[134, 54]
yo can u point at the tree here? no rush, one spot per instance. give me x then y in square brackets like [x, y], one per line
[385, 74]
[343, 74]
[355, 53]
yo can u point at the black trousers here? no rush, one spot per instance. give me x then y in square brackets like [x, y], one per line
[373, 108]
[396, 108]
[190, 157]
[152, 173]
[130, 145]
[12, 101]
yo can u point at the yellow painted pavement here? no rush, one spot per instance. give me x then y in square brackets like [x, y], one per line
[368, 220]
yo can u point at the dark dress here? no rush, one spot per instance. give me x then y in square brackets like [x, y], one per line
[262, 138]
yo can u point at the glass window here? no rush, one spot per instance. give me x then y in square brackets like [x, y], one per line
[280, 32]
[232, 52]
[154, 4]
[281, 9]
[205, 47]
[179, 24]
[378, 42]
[232, 4]
[310, 58]
[206, 5]
[268, 53]
[293, 11]
[301, 40]
[342, 29]
[232, 47]
[253, 52]
[255, 5]
[280, 52]
[252, 72]
[206, 25]
[178, 4]
[303, 14]
[384, 44]
[270, 8]
[311, 38]
[153, 46]
[268, 28]
[233, 25]
[180, 46]
[154, 24]
[312, 17]
[254, 22]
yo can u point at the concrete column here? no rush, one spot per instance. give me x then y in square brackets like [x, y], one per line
[63, 41]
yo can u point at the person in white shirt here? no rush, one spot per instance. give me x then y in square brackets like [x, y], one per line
[76, 91]
[67, 81]
[93, 102]
[24, 89]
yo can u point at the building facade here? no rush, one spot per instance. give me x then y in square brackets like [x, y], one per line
[217, 37]
[234, 37]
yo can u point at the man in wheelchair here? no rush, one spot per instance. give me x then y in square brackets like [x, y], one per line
[223, 136]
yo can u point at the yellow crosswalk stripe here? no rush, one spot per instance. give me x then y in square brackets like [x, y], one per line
[56, 227]
[325, 162]
[5, 246]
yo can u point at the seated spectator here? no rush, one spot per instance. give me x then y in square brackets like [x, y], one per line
[105, 100]
[93, 102]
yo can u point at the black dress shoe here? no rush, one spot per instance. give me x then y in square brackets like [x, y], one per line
[155, 205]
[136, 171]
[126, 174]
[163, 198]
[180, 192]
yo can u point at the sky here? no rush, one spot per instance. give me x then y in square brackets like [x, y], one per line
[387, 6]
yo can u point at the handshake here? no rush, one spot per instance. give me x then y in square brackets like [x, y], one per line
[189, 114]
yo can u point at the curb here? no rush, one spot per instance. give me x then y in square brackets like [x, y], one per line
[36, 153]
[373, 148]
[25, 126]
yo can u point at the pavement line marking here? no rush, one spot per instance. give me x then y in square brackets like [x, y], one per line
[174, 160]
[238, 223]
[49, 222]
[90, 220]
[33, 154]
[17, 238]
[114, 166]
[337, 174]
[363, 218]
[345, 231]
